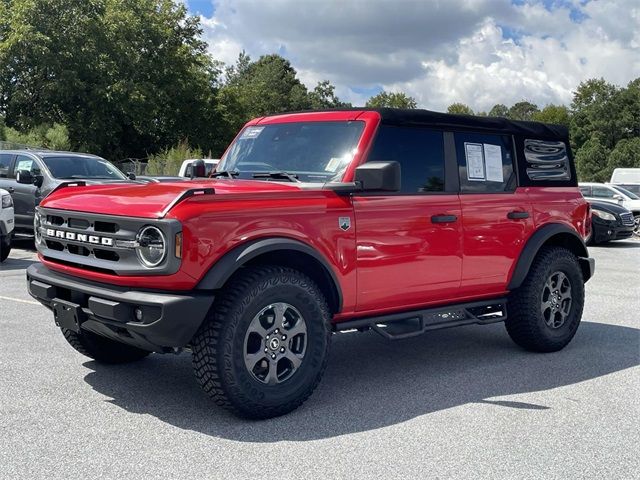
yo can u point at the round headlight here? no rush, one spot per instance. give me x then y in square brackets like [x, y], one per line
[152, 246]
[37, 225]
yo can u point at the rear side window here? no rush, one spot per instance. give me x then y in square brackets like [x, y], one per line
[420, 153]
[5, 161]
[546, 160]
[602, 192]
[485, 162]
[585, 190]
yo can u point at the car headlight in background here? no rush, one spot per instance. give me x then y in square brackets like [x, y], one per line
[152, 246]
[37, 227]
[603, 215]
[7, 201]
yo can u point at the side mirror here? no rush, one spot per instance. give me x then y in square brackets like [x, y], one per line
[38, 180]
[618, 198]
[24, 177]
[379, 176]
[131, 176]
[198, 169]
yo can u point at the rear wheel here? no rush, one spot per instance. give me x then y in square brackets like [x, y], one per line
[102, 349]
[5, 247]
[264, 348]
[544, 313]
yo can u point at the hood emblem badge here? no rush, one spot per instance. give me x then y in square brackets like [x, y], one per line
[344, 223]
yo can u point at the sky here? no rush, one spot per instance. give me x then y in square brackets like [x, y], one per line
[478, 52]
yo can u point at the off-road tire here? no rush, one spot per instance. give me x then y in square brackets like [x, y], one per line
[102, 349]
[219, 346]
[5, 247]
[525, 322]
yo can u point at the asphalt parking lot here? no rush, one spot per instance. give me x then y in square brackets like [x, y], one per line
[459, 403]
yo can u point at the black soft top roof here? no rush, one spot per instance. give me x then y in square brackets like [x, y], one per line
[397, 116]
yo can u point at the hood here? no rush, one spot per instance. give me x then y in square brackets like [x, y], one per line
[149, 200]
[608, 207]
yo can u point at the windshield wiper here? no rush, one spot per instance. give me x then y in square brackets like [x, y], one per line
[225, 173]
[277, 175]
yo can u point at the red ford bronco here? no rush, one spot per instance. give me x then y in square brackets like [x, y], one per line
[399, 221]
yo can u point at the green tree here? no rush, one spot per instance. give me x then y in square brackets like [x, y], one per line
[53, 137]
[392, 100]
[557, 114]
[595, 112]
[125, 77]
[499, 110]
[323, 96]
[625, 155]
[522, 111]
[460, 108]
[169, 160]
[591, 161]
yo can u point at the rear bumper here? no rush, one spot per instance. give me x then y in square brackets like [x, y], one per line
[168, 320]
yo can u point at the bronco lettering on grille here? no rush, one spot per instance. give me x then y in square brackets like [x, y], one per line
[79, 237]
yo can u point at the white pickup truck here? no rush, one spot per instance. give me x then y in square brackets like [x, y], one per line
[6, 224]
[210, 165]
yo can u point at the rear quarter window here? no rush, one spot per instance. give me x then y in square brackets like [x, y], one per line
[485, 162]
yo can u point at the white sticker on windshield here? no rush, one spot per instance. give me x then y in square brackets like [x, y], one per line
[251, 132]
[493, 162]
[475, 161]
[333, 164]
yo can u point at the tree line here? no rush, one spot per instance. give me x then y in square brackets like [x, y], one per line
[133, 79]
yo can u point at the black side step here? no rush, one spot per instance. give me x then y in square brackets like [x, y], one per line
[410, 324]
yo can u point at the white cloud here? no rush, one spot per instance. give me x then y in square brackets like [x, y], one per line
[480, 52]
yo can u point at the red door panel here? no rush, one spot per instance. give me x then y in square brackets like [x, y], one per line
[403, 258]
[492, 240]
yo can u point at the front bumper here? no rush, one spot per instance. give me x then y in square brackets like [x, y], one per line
[168, 320]
[604, 231]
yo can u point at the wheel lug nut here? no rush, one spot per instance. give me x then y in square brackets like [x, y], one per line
[282, 350]
[267, 337]
[284, 337]
[266, 350]
[276, 331]
[273, 356]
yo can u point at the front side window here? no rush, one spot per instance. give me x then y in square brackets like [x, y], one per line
[420, 152]
[26, 164]
[72, 167]
[485, 162]
[312, 151]
[602, 192]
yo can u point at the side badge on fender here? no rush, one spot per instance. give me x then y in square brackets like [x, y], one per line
[344, 223]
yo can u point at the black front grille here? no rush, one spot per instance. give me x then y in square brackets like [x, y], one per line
[627, 219]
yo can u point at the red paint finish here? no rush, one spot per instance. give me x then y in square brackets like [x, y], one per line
[492, 241]
[403, 258]
[393, 258]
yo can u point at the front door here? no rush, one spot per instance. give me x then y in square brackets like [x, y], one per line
[25, 197]
[409, 251]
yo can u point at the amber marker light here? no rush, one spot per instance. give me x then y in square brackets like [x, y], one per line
[178, 245]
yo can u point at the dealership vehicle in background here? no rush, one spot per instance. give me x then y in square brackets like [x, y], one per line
[6, 224]
[29, 176]
[614, 194]
[628, 178]
[397, 221]
[210, 166]
[609, 222]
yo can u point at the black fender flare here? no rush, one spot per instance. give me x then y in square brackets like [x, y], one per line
[537, 240]
[231, 261]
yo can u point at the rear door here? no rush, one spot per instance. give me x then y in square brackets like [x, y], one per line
[409, 243]
[497, 216]
[25, 197]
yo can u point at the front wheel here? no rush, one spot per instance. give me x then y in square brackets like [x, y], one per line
[545, 311]
[636, 225]
[264, 348]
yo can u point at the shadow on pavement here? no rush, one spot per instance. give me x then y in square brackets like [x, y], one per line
[371, 383]
[15, 264]
[621, 244]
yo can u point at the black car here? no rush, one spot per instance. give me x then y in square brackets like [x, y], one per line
[609, 222]
[30, 175]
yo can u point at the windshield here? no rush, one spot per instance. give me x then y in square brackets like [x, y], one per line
[629, 194]
[76, 166]
[312, 151]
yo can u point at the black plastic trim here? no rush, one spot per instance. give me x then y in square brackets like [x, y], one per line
[169, 319]
[533, 245]
[222, 270]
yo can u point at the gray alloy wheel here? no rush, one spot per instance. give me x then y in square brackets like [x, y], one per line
[636, 225]
[275, 343]
[556, 299]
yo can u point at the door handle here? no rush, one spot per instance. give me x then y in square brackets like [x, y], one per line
[443, 218]
[515, 215]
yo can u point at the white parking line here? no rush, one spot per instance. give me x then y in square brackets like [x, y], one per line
[30, 302]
